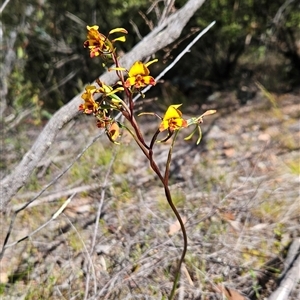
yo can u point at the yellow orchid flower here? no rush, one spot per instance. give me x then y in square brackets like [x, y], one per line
[113, 132]
[98, 43]
[89, 106]
[138, 75]
[173, 119]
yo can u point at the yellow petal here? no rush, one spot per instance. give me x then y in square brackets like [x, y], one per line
[113, 132]
[122, 30]
[173, 112]
[138, 68]
[89, 91]
[120, 39]
[149, 80]
[116, 69]
[130, 81]
[95, 27]
[112, 92]
[178, 122]
[90, 88]
[151, 62]
[163, 126]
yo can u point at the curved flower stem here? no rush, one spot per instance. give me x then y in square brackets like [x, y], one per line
[165, 179]
[154, 139]
[135, 126]
[177, 273]
[167, 192]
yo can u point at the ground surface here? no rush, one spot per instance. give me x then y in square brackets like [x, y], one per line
[238, 193]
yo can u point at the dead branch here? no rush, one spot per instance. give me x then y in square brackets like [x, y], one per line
[57, 195]
[291, 273]
[160, 37]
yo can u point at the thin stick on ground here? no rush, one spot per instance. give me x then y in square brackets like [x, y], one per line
[58, 212]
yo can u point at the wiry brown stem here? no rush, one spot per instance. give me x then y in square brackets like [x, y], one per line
[173, 207]
[164, 179]
[135, 126]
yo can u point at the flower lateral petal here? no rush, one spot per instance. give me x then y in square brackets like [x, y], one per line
[120, 39]
[151, 62]
[129, 82]
[89, 106]
[121, 30]
[116, 69]
[149, 80]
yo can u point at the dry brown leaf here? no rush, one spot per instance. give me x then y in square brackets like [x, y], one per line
[236, 225]
[176, 226]
[229, 152]
[227, 216]
[230, 294]
[184, 269]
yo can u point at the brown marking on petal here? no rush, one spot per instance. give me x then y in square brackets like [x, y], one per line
[152, 81]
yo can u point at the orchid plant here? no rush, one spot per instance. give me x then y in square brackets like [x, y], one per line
[106, 104]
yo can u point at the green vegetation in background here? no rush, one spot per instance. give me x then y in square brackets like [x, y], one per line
[52, 66]
[243, 29]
